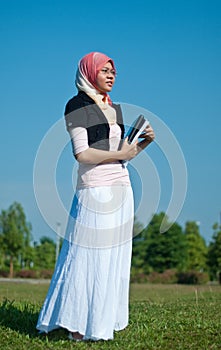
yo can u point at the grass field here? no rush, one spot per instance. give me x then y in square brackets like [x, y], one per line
[164, 317]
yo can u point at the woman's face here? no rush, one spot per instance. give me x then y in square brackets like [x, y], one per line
[106, 78]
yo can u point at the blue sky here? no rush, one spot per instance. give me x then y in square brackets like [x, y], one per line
[168, 56]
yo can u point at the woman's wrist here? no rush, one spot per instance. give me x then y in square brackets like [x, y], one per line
[120, 155]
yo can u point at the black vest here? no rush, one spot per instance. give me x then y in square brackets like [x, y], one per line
[81, 110]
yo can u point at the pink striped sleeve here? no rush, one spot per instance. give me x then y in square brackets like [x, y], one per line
[79, 139]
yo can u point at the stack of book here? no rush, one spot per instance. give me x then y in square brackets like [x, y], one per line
[136, 129]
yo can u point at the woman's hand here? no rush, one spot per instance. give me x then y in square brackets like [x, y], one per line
[128, 151]
[148, 136]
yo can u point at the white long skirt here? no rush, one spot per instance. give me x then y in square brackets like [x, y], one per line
[89, 290]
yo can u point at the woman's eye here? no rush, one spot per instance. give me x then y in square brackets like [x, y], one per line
[108, 71]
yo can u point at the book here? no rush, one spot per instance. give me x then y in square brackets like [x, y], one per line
[137, 128]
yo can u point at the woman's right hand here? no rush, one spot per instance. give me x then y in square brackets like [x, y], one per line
[129, 151]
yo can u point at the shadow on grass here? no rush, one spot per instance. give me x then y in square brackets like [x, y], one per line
[22, 317]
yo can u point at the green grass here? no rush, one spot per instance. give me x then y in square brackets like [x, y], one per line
[164, 317]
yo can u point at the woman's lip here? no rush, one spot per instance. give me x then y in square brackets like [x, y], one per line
[109, 83]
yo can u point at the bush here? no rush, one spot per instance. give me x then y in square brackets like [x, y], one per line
[45, 274]
[170, 276]
[139, 277]
[4, 273]
[192, 277]
[166, 277]
[26, 274]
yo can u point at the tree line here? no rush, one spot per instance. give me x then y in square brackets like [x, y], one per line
[19, 255]
[178, 255]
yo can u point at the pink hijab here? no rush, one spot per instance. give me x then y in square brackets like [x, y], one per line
[88, 69]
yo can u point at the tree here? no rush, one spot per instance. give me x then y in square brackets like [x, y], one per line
[159, 252]
[214, 253]
[2, 254]
[15, 232]
[139, 248]
[165, 250]
[45, 253]
[196, 248]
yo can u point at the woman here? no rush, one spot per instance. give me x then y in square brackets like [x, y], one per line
[88, 294]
